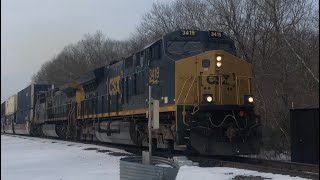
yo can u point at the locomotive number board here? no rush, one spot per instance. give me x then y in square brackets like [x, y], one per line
[188, 32]
[215, 34]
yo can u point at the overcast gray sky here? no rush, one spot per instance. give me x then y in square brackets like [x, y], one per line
[33, 31]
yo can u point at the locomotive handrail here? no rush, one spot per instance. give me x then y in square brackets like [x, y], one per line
[185, 98]
[58, 106]
[184, 102]
[220, 84]
[53, 109]
[183, 88]
[238, 86]
[70, 118]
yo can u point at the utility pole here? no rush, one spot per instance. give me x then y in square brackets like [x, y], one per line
[153, 123]
[146, 156]
[149, 127]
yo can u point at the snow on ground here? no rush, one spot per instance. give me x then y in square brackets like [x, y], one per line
[46, 159]
[272, 155]
[224, 173]
[40, 159]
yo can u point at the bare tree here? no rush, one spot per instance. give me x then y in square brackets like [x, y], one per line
[75, 59]
[274, 35]
[167, 17]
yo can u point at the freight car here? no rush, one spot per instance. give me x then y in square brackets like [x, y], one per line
[205, 93]
[20, 109]
[25, 108]
[3, 116]
[10, 114]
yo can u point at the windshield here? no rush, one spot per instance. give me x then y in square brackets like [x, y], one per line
[183, 47]
[228, 47]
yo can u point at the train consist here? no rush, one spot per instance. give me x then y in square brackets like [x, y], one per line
[205, 94]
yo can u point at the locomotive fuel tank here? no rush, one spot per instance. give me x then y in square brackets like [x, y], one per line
[117, 132]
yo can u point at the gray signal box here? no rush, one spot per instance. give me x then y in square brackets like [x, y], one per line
[155, 114]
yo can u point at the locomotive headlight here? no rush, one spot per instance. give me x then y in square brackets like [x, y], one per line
[219, 64]
[207, 98]
[248, 99]
[219, 58]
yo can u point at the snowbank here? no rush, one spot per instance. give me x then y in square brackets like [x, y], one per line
[46, 159]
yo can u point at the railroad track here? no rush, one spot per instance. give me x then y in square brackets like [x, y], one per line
[269, 166]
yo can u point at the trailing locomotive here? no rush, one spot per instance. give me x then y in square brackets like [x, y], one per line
[205, 95]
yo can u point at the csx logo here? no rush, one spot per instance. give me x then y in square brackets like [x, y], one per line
[114, 85]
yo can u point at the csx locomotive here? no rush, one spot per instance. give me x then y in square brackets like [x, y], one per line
[204, 89]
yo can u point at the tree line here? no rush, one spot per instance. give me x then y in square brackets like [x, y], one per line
[279, 37]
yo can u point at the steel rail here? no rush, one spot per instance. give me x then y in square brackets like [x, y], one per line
[309, 171]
